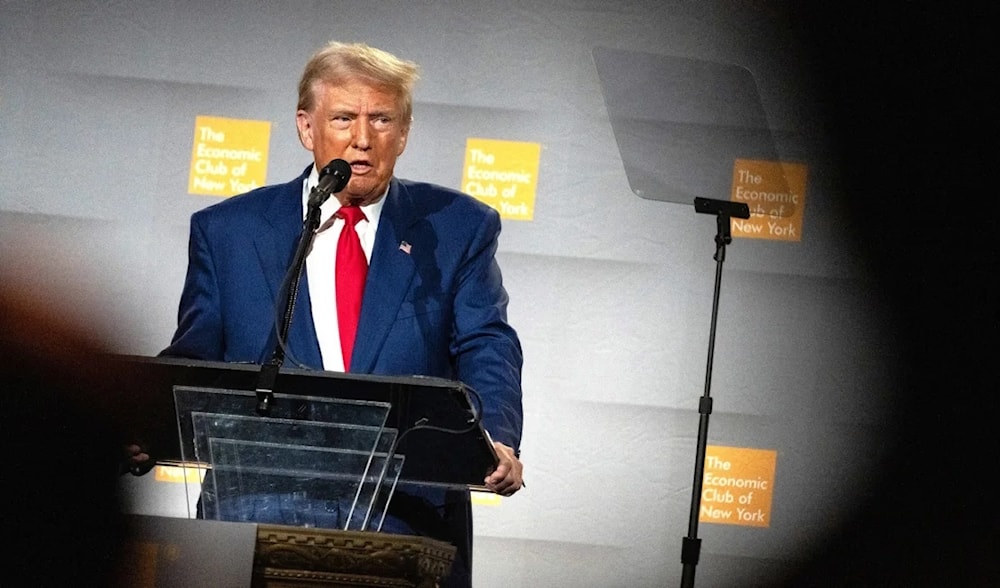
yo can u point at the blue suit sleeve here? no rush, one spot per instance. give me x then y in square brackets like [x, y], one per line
[199, 333]
[486, 348]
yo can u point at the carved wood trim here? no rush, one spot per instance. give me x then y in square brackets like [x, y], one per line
[300, 556]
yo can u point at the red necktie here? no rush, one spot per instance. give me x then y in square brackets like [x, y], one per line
[352, 269]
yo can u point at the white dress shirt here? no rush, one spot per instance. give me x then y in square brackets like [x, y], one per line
[321, 264]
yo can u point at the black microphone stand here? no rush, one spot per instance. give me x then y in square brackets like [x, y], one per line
[332, 179]
[290, 291]
[723, 211]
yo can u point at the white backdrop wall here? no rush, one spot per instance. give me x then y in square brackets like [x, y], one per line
[611, 293]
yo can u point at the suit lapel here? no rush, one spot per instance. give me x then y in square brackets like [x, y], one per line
[275, 243]
[389, 277]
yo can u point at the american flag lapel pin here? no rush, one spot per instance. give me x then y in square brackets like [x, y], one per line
[404, 247]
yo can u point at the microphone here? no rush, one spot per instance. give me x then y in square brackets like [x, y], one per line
[332, 179]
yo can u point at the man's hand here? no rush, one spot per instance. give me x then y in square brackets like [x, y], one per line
[136, 460]
[507, 478]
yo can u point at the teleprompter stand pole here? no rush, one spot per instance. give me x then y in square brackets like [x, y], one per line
[723, 211]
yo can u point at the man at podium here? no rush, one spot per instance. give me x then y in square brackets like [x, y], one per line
[428, 297]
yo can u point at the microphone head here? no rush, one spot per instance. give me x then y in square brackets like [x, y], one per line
[339, 172]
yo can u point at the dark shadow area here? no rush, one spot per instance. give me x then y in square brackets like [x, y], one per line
[63, 434]
[905, 97]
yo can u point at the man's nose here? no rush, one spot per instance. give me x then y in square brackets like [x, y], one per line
[360, 132]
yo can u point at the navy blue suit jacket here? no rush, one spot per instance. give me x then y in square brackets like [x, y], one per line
[436, 308]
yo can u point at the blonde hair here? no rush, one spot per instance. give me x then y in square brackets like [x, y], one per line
[337, 63]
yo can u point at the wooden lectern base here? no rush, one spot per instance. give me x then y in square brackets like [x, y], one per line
[167, 552]
[298, 557]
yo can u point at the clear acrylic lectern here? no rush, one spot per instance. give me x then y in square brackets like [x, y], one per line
[311, 462]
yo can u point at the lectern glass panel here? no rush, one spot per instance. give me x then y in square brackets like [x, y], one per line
[310, 461]
[309, 486]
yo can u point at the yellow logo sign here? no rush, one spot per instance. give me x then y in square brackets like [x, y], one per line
[775, 192]
[738, 486]
[229, 156]
[503, 174]
[179, 474]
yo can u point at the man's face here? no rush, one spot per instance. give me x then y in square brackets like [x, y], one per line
[361, 124]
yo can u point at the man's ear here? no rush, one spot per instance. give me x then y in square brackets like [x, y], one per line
[303, 122]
